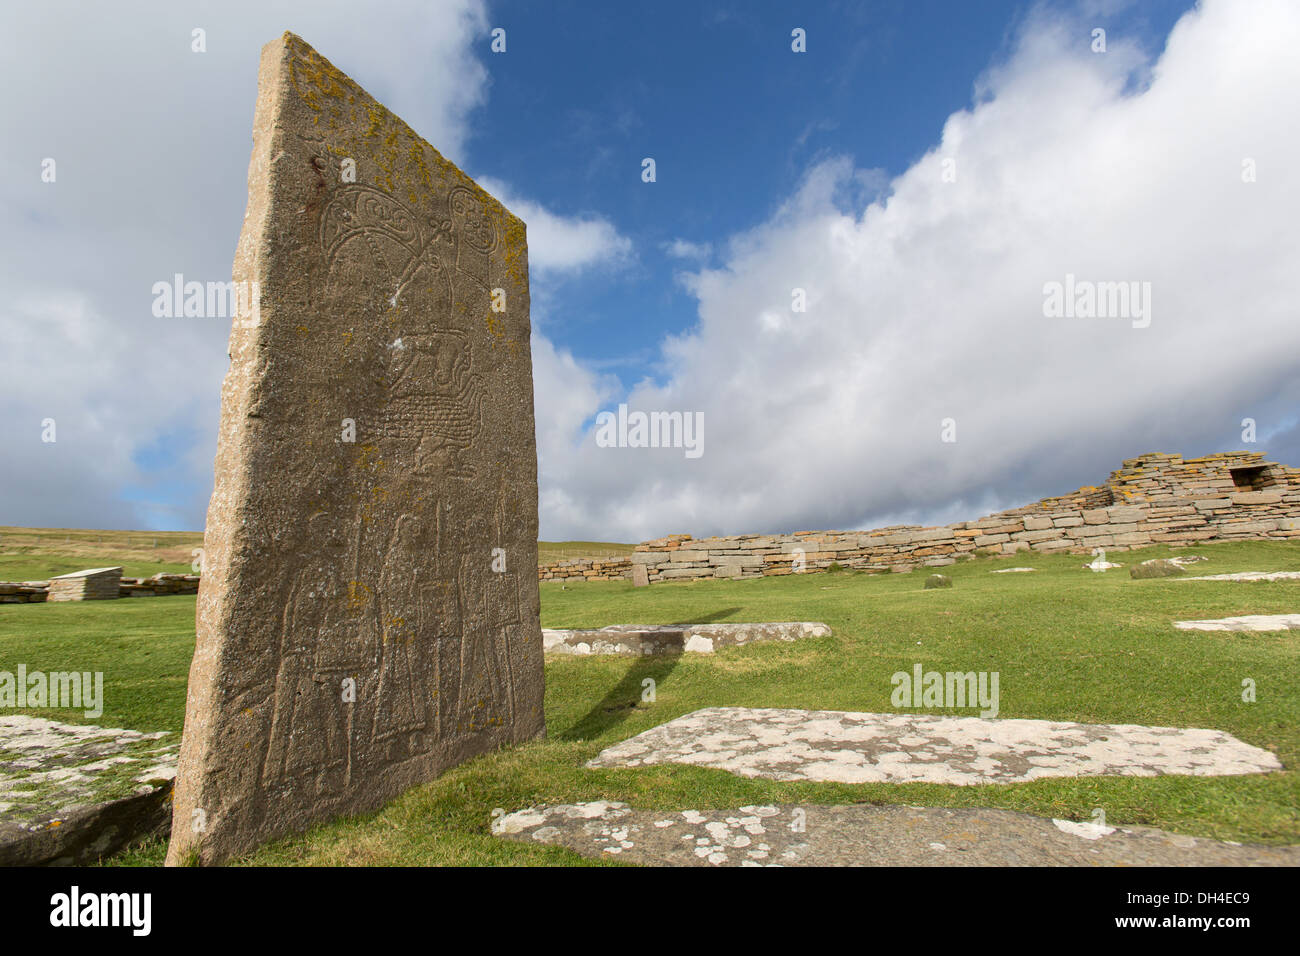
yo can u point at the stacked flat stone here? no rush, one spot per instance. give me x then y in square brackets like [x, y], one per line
[23, 592]
[608, 569]
[95, 584]
[1152, 499]
[160, 584]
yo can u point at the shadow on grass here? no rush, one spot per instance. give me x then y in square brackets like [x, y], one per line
[622, 700]
[708, 618]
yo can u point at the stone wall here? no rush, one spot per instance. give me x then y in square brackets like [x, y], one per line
[605, 569]
[36, 592]
[1152, 499]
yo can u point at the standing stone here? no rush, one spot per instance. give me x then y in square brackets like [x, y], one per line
[369, 609]
[640, 576]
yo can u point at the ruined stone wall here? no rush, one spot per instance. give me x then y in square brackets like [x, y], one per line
[37, 592]
[1152, 499]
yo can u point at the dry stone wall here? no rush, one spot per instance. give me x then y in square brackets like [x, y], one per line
[1152, 499]
[37, 592]
[608, 569]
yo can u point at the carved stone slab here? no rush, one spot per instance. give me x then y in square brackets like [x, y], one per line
[369, 610]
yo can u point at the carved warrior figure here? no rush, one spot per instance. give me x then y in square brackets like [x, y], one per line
[354, 637]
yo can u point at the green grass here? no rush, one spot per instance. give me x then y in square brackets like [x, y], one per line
[1068, 644]
[142, 645]
[549, 552]
[38, 554]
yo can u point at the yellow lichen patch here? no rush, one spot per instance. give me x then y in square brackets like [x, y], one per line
[515, 240]
[315, 77]
[368, 458]
[358, 595]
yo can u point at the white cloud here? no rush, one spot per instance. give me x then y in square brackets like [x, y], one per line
[685, 249]
[72, 376]
[928, 303]
[151, 143]
[559, 243]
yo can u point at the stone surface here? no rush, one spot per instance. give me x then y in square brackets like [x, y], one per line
[95, 584]
[1249, 622]
[1013, 570]
[938, 581]
[846, 747]
[1152, 499]
[640, 577]
[1100, 565]
[73, 794]
[369, 609]
[1156, 568]
[1249, 576]
[863, 835]
[638, 640]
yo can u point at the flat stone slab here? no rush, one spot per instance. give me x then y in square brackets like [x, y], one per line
[864, 836]
[1249, 576]
[637, 640]
[71, 794]
[845, 747]
[1013, 570]
[1248, 622]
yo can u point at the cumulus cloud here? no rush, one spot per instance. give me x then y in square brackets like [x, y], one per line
[560, 244]
[150, 142]
[927, 302]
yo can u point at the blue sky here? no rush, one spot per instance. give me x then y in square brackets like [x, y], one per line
[824, 171]
[732, 117]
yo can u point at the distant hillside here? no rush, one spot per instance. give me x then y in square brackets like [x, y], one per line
[28, 554]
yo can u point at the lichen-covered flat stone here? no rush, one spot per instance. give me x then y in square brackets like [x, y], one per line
[847, 747]
[1247, 622]
[795, 835]
[73, 793]
[636, 640]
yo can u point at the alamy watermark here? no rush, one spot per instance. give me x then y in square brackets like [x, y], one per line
[951, 690]
[1085, 299]
[651, 430]
[133, 911]
[67, 689]
[179, 299]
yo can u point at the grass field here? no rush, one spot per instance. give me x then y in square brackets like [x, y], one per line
[551, 551]
[38, 554]
[1068, 644]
